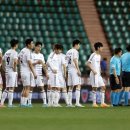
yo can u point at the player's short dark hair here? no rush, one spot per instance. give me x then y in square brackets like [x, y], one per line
[117, 50]
[58, 47]
[98, 45]
[38, 43]
[128, 48]
[76, 42]
[14, 42]
[28, 41]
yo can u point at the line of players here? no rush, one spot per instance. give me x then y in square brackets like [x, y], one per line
[59, 70]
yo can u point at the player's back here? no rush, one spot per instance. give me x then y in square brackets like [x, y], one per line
[9, 57]
[25, 55]
[70, 56]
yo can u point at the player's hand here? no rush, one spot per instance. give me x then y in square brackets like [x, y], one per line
[39, 62]
[94, 72]
[117, 80]
[54, 71]
[79, 73]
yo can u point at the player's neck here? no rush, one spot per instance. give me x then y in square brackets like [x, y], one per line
[37, 52]
[97, 52]
[13, 48]
[74, 48]
[116, 55]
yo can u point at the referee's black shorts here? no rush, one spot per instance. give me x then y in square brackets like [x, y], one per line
[113, 84]
[125, 79]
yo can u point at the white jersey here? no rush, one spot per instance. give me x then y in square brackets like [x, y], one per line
[0, 50]
[25, 55]
[0, 56]
[95, 59]
[55, 62]
[9, 58]
[38, 67]
[70, 56]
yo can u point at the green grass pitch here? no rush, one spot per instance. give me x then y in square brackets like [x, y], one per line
[88, 118]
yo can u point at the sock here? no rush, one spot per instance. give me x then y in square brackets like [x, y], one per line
[0, 93]
[49, 98]
[30, 98]
[77, 95]
[102, 97]
[22, 100]
[56, 97]
[94, 97]
[111, 97]
[53, 96]
[10, 97]
[65, 97]
[113, 101]
[126, 94]
[4, 95]
[117, 98]
[59, 96]
[70, 97]
[25, 100]
[43, 95]
[121, 96]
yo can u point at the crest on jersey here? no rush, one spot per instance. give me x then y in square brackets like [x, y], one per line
[84, 95]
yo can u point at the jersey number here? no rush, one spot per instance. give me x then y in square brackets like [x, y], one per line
[69, 62]
[8, 60]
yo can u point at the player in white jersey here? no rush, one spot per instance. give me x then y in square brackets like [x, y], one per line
[26, 70]
[55, 63]
[39, 66]
[74, 74]
[95, 75]
[1, 81]
[10, 60]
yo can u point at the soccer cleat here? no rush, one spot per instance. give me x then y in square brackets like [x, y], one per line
[12, 106]
[79, 105]
[45, 105]
[2, 106]
[104, 105]
[70, 105]
[57, 105]
[30, 105]
[95, 105]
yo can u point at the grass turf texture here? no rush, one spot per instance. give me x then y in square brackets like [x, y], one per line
[88, 118]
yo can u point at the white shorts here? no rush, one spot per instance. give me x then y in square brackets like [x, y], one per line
[96, 80]
[26, 78]
[73, 78]
[37, 82]
[54, 80]
[62, 81]
[11, 79]
[1, 81]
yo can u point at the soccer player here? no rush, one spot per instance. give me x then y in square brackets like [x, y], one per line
[55, 62]
[1, 81]
[115, 72]
[95, 75]
[74, 74]
[125, 61]
[39, 64]
[10, 59]
[26, 70]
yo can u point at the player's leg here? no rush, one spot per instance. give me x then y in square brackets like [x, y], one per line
[49, 95]
[1, 86]
[65, 95]
[10, 96]
[3, 97]
[43, 95]
[30, 96]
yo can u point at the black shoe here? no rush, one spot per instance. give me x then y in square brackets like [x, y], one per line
[115, 105]
[127, 105]
[120, 104]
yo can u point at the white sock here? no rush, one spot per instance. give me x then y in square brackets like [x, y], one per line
[10, 98]
[30, 98]
[25, 100]
[22, 100]
[70, 97]
[53, 96]
[65, 95]
[57, 95]
[77, 95]
[4, 95]
[94, 97]
[102, 97]
[0, 93]
[43, 95]
[49, 96]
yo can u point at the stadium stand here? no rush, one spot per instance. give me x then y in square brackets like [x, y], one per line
[47, 21]
[115, 18]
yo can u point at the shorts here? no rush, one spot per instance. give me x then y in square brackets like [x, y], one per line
[37, 82]
[11, 79]
[1, 81]
[26, 78]
[54, 80]
[125, 79]
[62, 81]
[113, 84]
[73, 78]
[96, 80]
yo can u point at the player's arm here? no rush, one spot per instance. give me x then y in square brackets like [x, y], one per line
[44, 66]
[77, 66]
[15, 64]
[89, 65]
[64, 70]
